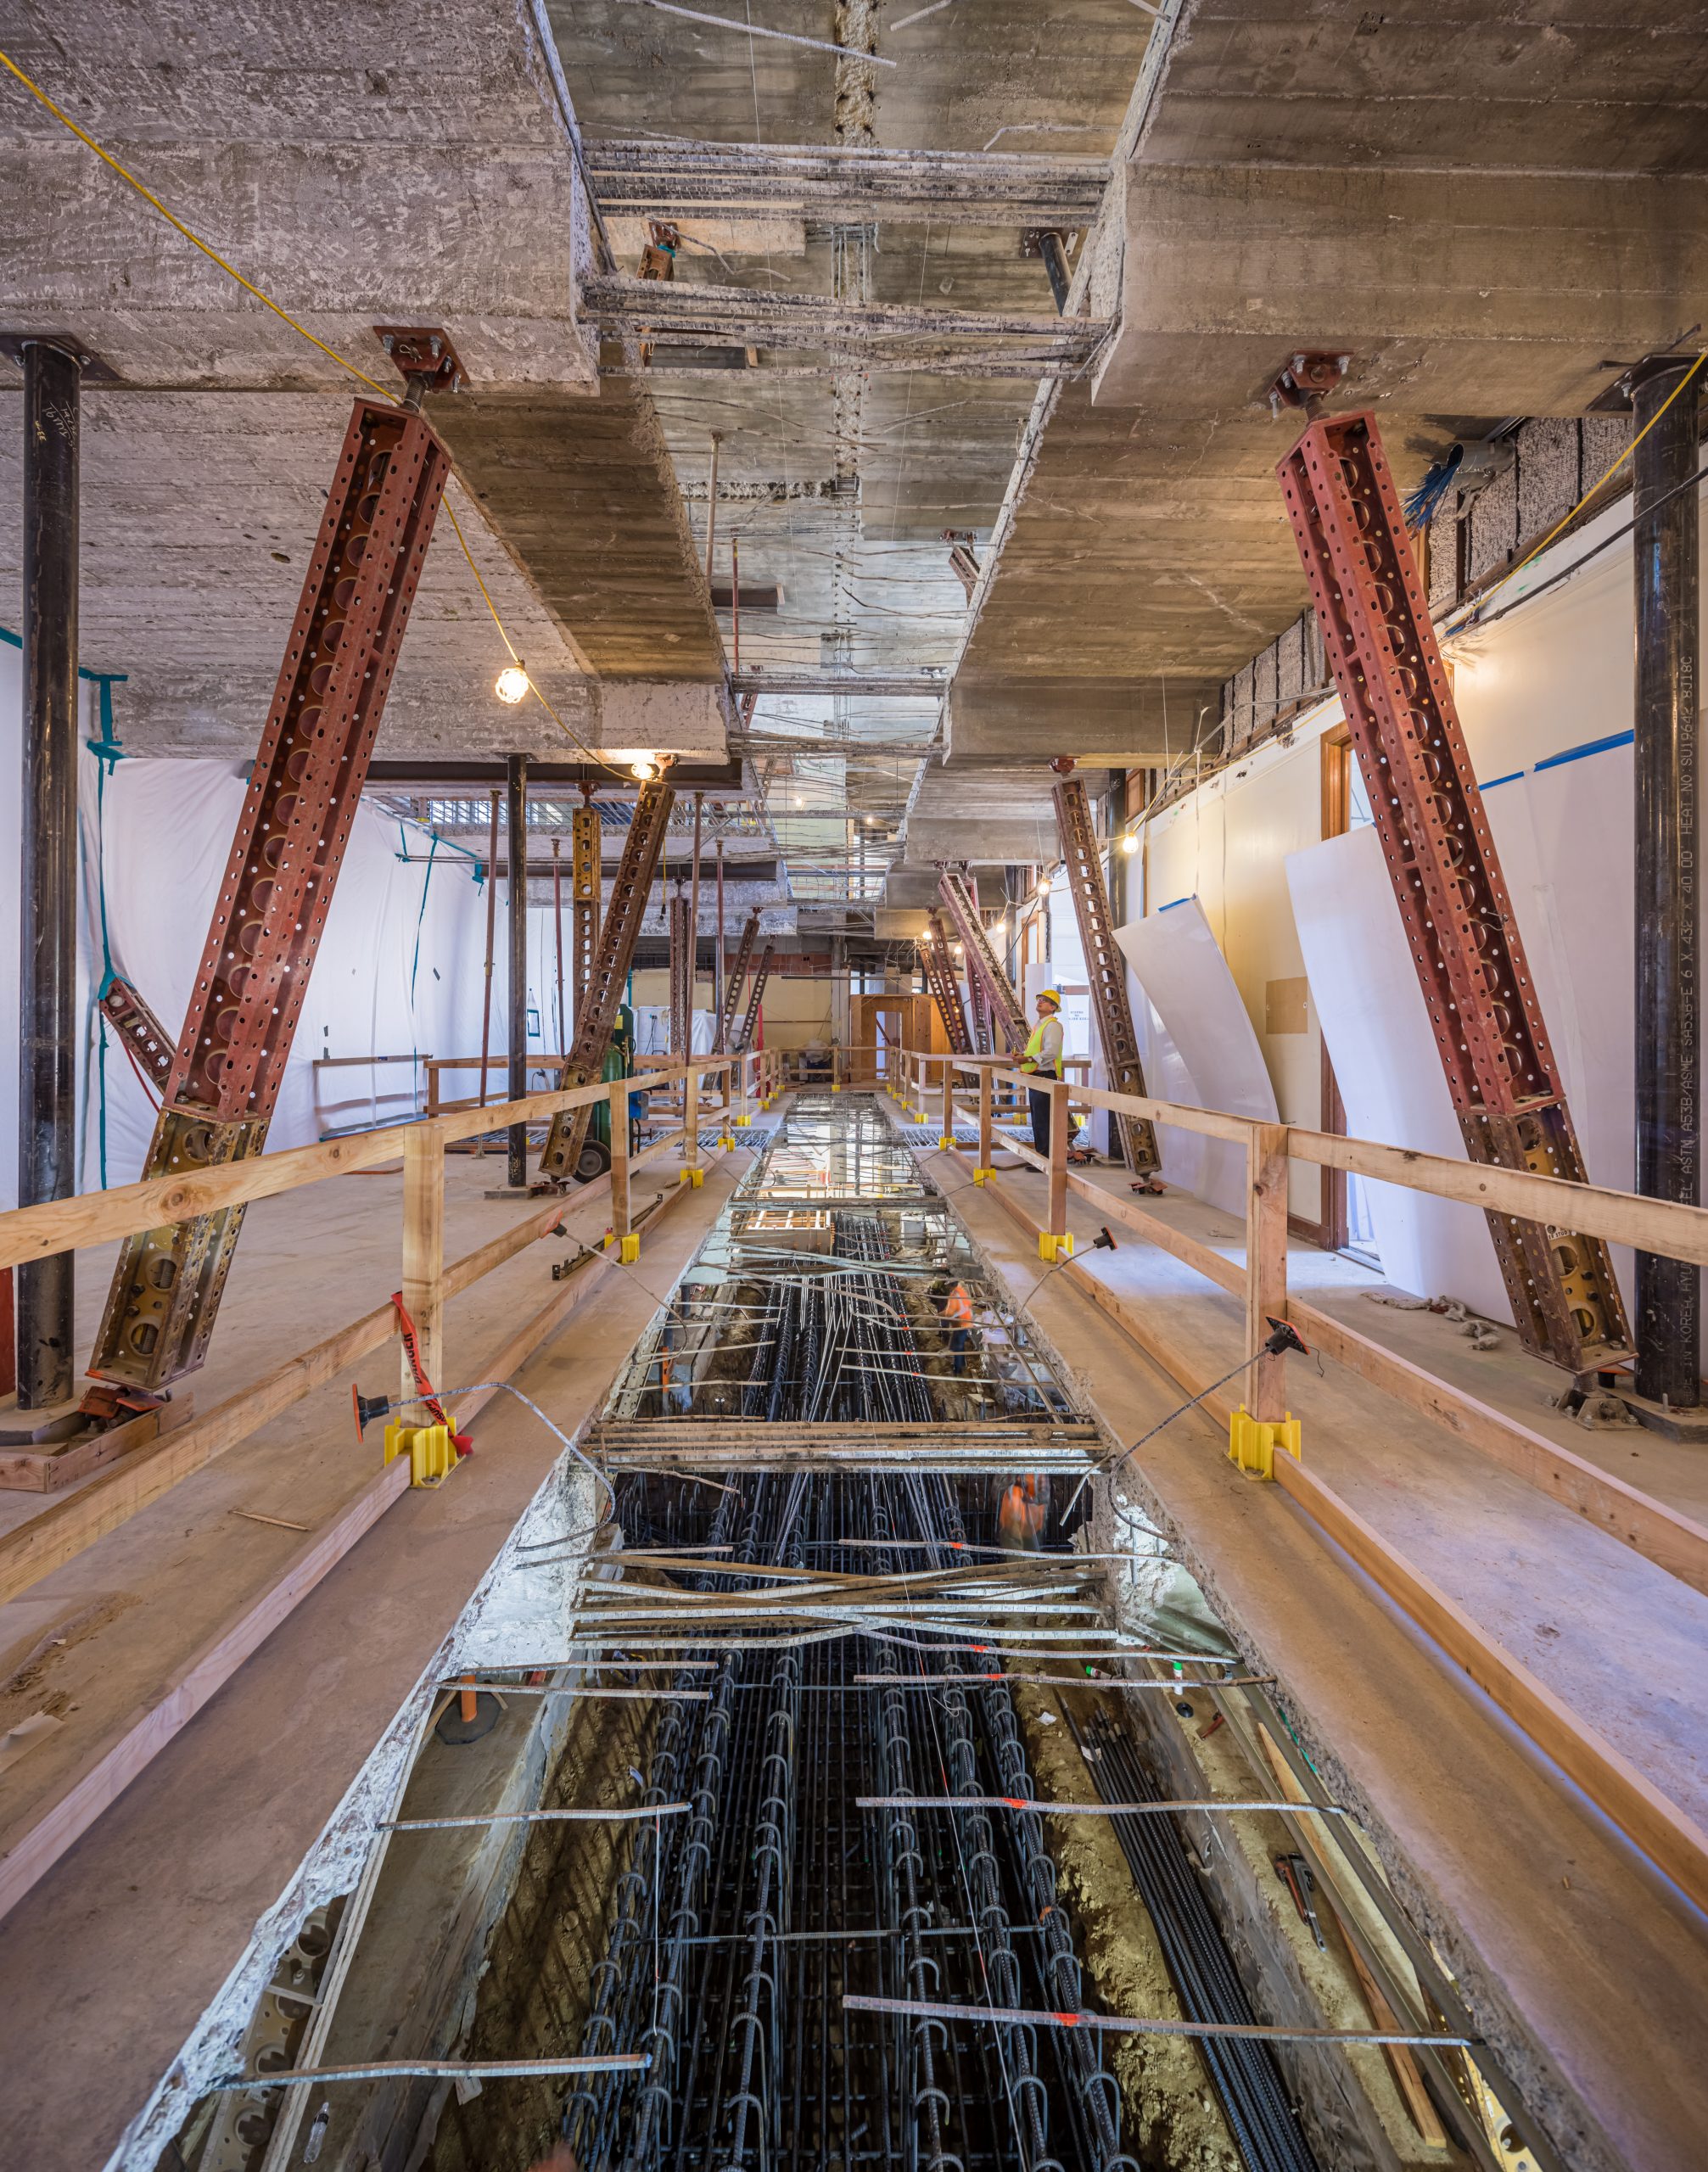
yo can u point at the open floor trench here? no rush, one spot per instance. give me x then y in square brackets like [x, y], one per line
[752, 1763]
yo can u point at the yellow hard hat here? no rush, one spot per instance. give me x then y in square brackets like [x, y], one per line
[1049, 995]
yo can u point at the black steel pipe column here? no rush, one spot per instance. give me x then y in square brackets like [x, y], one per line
[516, 818]
[47, 859]
[1669, 902]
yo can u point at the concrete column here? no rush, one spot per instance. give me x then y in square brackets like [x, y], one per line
[516, 815]
[48, 861]
[1669, 899]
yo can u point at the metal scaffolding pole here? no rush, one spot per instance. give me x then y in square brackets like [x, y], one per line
[515, 817]
[1668, 901]
[47, 858]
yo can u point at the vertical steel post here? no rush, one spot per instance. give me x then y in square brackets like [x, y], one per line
[47, 859]
[516, 815]
[1668, 901]
[557, 934]
[694, 922]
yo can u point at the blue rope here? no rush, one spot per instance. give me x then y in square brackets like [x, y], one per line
[108, 754]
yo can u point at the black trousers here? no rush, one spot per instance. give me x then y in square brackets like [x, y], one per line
[1040, 1122]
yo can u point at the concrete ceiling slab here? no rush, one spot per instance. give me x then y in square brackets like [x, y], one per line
[199, 514]
[1479, 201]
[1479, 293]
[355, 173]
[360, 166]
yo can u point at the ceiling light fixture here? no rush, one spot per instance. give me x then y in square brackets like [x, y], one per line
[511, 683]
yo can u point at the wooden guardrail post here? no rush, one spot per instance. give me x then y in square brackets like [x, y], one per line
[424, 1253]
[691, 1121]
[1055, 1239]
[620, 1224]
[948, 1138]
[1266, 1266]
[986, 1134]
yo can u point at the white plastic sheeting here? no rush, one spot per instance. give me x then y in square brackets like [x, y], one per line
[1577, 938]
[399, 969]
[1197, 1046]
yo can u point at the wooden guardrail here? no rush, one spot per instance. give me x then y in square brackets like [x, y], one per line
[76, 1521]
[1673, 1542]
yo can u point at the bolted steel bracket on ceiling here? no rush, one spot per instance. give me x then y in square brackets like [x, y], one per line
[1305, 381]
[425, 357]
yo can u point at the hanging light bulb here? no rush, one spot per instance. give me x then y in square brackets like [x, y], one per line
[998, 928]
[1044, 886]
[644, 768]
[1130, 842]
[511, 685]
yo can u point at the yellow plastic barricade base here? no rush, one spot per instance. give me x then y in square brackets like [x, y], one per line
[430, 1449]
[726, 1142]
[945, 1143]
[695, 1179]
[1059, 1246]
[630, 1250]
[742, 1120]
[1252, 1442]
[979, 1176]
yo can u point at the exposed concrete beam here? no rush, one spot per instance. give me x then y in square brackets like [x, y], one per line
[672, 179]
[1017, 842]
[1473, 293]
[1126, 723]
[355, 177]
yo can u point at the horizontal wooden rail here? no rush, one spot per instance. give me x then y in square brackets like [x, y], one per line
[112, 1766]
[1665, 1832]
[97, 1217]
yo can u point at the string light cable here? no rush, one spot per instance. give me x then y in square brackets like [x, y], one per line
[385, 392]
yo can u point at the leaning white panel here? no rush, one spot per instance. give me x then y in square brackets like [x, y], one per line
[1199, 1048]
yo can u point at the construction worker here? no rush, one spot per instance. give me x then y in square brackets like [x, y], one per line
[957, 1314]
[1020, 1520]
[1043, 1058]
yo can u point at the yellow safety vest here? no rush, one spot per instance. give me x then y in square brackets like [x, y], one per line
[1034, 1047]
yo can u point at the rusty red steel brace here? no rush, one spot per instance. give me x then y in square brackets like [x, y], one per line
[1488, 1022]
[289, 844]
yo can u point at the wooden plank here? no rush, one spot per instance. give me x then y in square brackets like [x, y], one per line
[1655, 1225]
[1226, 1273]
[190, 1687]
[47, 1542]
[1061, 1125]
[95, 1217]
[1266, 1267]
[1401, 2060]
[620, 1222]
[1662, 1535]
[1671, 1839]
[49, 1469]
[1655, 1825]
[1354, 1927]
[423, 1258]
[59, 1534]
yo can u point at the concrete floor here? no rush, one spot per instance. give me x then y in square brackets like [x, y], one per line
[108, 1963]
[1588, 1972]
